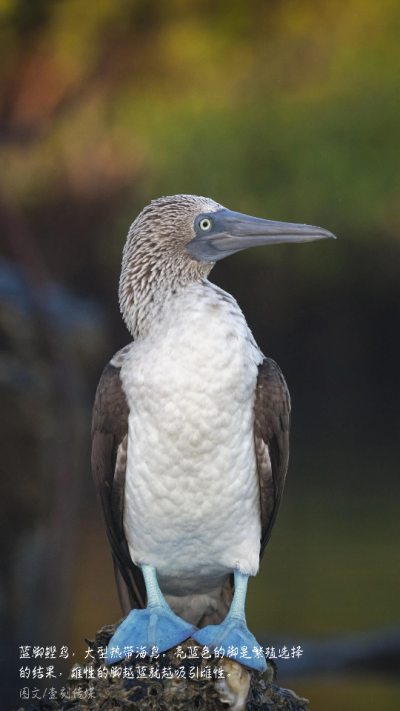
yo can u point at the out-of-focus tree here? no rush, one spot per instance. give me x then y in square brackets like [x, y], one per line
[282, 107]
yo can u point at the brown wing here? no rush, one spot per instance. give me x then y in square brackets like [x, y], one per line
[109, 454]
[271, 433]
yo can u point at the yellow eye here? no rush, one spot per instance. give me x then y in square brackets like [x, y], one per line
[205, 223]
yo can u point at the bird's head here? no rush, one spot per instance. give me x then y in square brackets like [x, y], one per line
[177, 239]
[155, 259]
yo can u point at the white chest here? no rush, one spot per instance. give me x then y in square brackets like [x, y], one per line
[191, 494]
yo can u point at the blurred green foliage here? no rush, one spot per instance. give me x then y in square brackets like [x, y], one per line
[284, 109]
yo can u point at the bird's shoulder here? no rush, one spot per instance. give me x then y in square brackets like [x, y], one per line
[111, 411]
[272, 401]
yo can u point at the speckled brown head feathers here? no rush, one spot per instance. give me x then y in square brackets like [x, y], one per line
[155, 261]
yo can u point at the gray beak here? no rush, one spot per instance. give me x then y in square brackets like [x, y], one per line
[222, 233]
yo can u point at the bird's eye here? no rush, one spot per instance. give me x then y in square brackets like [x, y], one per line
[205, 223]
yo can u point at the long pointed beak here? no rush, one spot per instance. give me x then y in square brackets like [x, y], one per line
[231, 232]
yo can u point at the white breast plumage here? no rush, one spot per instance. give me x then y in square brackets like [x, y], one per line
[191, 493]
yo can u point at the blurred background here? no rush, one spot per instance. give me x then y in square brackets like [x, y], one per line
[285, 109]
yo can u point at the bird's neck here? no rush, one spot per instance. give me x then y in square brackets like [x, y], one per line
[147, 293]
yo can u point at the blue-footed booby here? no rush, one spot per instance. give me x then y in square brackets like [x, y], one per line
[190, 432]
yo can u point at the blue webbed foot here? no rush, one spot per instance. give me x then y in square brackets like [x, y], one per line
[154, 627]
[236, 640]
[232, 634]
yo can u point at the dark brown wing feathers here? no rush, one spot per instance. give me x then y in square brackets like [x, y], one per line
[109, 453]
[271, 434]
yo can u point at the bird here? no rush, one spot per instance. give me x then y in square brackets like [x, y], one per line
[190, 433]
